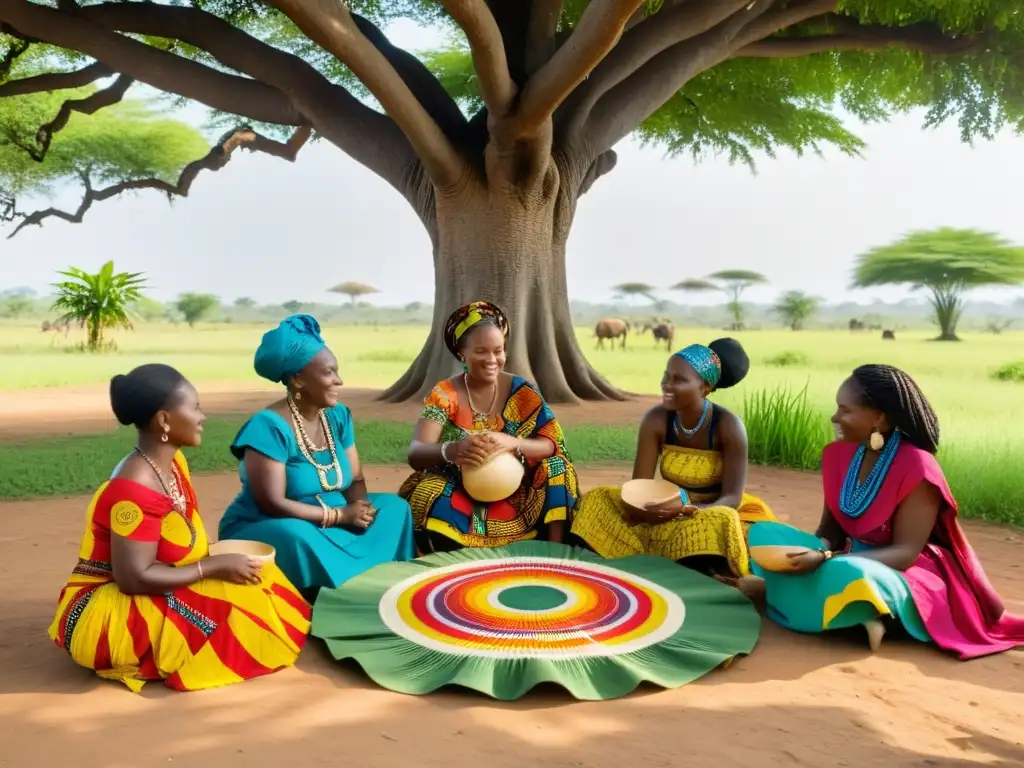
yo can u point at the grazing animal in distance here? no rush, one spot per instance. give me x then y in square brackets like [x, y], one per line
[611, 328]
[662, 332]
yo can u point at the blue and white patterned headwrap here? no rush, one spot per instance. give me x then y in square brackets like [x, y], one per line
[704, 361]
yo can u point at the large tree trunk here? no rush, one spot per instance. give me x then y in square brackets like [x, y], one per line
[502, 246]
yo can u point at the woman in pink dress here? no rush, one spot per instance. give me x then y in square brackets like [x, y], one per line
[889, 544]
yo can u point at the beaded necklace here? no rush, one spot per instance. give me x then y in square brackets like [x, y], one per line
[307, 448]
[173, 490]
[855, 497]
[689, 433]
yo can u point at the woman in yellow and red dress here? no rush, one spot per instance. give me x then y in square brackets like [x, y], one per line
[146, 600]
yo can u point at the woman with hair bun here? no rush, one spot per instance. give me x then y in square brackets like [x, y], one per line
[147, 601]
[701, 447]
[888, 545]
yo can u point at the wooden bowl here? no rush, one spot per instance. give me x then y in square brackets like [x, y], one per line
[775, 557]
[496, 479]
[256, 549]
[637, 493]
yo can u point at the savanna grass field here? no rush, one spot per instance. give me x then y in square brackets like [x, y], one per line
[785, 401]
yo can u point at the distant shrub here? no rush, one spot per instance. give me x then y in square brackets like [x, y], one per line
[386, 356]
[785, 430]
[1010, 372]
[788, 359]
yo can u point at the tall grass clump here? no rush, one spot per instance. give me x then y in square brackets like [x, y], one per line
[788, 359]
[1010, 372]
[386, 356]
[784, 429]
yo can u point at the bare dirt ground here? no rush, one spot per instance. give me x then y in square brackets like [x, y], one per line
[796, 701]
[61, 412]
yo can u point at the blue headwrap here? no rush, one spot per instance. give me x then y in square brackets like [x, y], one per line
[704, 361]
[287, 349]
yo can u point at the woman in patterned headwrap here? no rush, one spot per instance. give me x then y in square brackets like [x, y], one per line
[702, 448]
[465, 420]
[303, 490]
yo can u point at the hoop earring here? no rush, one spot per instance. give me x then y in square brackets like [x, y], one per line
[876, 441]
[163, 438]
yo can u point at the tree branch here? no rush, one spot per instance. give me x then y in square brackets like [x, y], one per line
[91, 104]
[634, 99]
[923, 37]
[642, 43]
[488, 50]
[370, 138]
[55, 81]
[604, 163]
[155, 67]
[599, 28]
[218, 156]
[421, 81]
[540, 33]
[329, 24]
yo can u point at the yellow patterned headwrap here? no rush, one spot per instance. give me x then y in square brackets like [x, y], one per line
[464, 318]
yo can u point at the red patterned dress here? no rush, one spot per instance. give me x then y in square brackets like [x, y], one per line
[207, 634]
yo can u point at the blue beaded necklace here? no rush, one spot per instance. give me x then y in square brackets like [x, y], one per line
[855, 498]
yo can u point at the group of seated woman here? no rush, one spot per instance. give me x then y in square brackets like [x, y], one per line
[147, 601]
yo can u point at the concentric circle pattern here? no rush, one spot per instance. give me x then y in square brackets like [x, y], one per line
[531, 608]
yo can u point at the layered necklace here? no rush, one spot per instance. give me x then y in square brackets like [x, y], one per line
[480, 418]
[172, 489]
[689, 433]
[308, 449]
[855, 497]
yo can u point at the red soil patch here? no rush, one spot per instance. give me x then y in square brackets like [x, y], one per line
[796, 700]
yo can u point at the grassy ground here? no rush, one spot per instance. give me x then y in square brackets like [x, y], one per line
[982, 442]
[86, 459]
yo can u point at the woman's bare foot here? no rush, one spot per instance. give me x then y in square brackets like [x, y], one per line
[876, 631]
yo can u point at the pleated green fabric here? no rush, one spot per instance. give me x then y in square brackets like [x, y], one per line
[501, 621]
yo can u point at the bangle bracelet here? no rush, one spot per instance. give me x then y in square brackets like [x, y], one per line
[199, 566]
[444, 452]
[684, 497]
[826, 553]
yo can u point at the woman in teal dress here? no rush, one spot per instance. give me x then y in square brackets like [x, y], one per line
[303, 490]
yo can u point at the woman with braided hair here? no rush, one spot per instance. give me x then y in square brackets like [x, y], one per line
[889, 545]
[465, 420]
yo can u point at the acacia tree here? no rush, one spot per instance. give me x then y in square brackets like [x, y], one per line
[732, 282]
[553, 86]
[946, 263]
[354, 290]
[795, 307]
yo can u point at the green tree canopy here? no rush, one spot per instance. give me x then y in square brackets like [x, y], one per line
[494, 138]
[102, 301]
[795, 308]
[946, 263]
[130, 145]
[195, 306]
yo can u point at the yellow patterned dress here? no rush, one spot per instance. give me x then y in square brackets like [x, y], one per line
[714, 531]
[550, 489]
[207, 634]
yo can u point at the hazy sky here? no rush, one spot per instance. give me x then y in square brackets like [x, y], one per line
[245, 230]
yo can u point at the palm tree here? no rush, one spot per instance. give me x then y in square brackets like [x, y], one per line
[99, 302]
[794, 307]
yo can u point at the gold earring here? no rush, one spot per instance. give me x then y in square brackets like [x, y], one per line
[163, 438]
[877, 442]
[298, 395]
